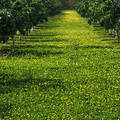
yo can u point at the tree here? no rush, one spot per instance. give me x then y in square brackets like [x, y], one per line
[23, 14]
[67, 4]
[19, 16]
[5, 4]
[73, 2]
[104, 12]
[7, 26]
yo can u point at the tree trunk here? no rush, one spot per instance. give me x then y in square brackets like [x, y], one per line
[5, 43]
[29, 30]
[116, 36]
[5, 40]
[109, 30]
[32, 28]
[27, 33]
[20, 37]
[113, 32]
[13, 39]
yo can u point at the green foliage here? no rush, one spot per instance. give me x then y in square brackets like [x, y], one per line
[104, 12]
[20, 16]
[5, 4]
[52, 7]
[82, 8]
[68, 4]
[65, 69]
[7, 26]
[24, 14]
[65, 3]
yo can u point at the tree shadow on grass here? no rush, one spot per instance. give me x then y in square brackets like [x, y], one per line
[64, 13]
[108, 39]
[97, 47]
[31, 49]
[31, 46]
[46, 27]
[106, 35]
[97, 29]
[40, 35]
[43, 84]
[34, 52]
[99, 32]
[56, 40]
[32, 40]
[116, 43]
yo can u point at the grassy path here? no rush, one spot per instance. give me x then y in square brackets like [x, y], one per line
[61, 71]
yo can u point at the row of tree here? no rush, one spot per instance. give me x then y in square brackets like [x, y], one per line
[104, 12]
[68, 4]
[22, 15]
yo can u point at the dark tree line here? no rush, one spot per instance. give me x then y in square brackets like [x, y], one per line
[104, 12]
[22, 15]
[69, 4]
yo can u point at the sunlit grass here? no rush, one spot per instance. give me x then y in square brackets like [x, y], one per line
[63, 70]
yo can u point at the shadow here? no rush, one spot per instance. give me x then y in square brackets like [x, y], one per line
[32, 40]
[116, 43]
[57, 40]
[43, 84]
[40, 40]
[101, 33]
[53, 40]
[17, 83]
[27, 46]
[5, 110]
[32, 36]
[46, 27]
[93, 46]
[97, 30]
[54, 68]
[64, 13]
[104, 34]
[111, 34]
[108, 36]
[41, 35]
[33, 52]
[98, 26]
[108, 39]
[27, 49]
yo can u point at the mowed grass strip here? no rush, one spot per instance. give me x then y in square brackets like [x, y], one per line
[64, 70]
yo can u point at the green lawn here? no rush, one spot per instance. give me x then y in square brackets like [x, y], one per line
[66, 69]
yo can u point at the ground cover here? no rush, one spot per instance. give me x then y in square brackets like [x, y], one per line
[65, 69]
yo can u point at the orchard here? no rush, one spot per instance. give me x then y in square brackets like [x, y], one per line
[22, 15]
[103, 12]
[62, 69]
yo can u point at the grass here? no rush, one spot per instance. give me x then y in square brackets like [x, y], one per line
[64, 70]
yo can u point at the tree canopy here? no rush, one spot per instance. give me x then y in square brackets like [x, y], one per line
[67, 4]
[106, 13]
[21, 15]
